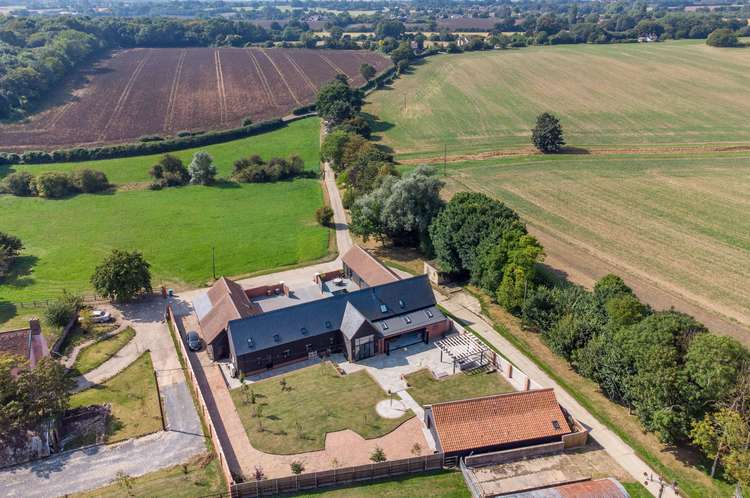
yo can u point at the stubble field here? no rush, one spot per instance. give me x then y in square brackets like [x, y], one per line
[161, 91]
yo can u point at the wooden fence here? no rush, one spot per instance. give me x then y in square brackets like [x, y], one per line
[337, 477]
[190, 372]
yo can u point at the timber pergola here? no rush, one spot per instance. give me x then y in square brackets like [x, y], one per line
[465, 350]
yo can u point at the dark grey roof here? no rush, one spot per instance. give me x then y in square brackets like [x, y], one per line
[409, 321]
[352, 321]
[325, 315]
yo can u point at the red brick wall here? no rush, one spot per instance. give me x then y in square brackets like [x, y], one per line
[436, 331]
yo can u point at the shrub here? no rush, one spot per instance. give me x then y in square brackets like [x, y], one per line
[89, 181]
[247, 122]
[324, 215]
[20, 183]
[54, 185]
[297, 467]
[151, 138]
[722, 38]
[60, 312]
[254, 170]
[348, 198]
[378, 455]
[169, 172]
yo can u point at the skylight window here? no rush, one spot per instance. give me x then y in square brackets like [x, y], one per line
[384, 325]
[328, 324]
[428, 313]
[401, 303]
[250, 342]
[276, 338]
[556, 424]
[383, 308]
[407, 319]
[303, 330]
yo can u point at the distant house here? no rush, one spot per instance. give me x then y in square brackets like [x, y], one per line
[28, 343]
[495, 423]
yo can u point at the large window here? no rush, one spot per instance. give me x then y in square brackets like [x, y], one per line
[364, 347]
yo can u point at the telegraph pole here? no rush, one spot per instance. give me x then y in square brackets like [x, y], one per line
[213, 260]
[445, 159]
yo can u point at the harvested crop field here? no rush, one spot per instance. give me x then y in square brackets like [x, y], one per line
[160, 91]
[676, 225]
[626, 96]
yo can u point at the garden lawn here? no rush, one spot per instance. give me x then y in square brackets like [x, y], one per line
[425, 389]
[320, 401]
[134, 399]
[626, 95]
[443, 484]
[79, 335]
[253, 227]
[97, 353]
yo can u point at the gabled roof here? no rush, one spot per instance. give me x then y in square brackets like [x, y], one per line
[326, 315]
[16, 343]
[353, 321]
[369, 269]
[228, 301]
[503, 419]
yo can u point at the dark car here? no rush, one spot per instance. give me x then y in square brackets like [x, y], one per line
[194, 341]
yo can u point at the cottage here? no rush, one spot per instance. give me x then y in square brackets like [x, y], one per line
[28, 343]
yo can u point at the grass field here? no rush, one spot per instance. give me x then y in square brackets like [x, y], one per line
[442, 484]
[252, 226]
[425, 389]
[97, 353]
[680, 221]
[134, 399]
[624, 95]
[320, 401]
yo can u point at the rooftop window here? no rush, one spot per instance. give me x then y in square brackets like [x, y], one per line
[556, 424]
[328, 324]
[383, 308]
[384, 325]
[407, 319]
[303, 330]
[250, 343]
[428, 313]
[276, 338]
[401, 303]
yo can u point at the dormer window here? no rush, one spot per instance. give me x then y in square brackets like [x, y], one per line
[383, 308]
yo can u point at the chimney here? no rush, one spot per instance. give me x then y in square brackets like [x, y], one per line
[35, 326]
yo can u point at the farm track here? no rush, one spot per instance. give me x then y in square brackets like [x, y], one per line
[334, 66]
[281, 75]
[158, 91]
[124, 95]
[220, 87]
[169, 116]
[264, 81]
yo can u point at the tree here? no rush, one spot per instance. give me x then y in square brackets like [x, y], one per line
[10, 247]
[714, 364]
[518, 272]
[610, 286]
[547, 135]
[122, 275]
[20, 183]
[389, 28]
[367, 71]
[723, 437]
[202, 170]
[722, 38]
[337, 101]
[169, 172]
[54, 185]
[333, 147]
[458, 230]
[324, 215]
[89, 181]
[60, 312]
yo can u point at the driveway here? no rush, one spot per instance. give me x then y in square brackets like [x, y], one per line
[81, 470]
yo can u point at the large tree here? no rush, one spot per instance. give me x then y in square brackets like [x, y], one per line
[122, 275]
[337, 101]
[202, 170]
[547, 134]
[10, 248]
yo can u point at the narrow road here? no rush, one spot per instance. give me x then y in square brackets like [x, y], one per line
[81, 470]
[343, 238]
[468, 309]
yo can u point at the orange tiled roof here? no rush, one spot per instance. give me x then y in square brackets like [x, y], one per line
[501, 419]
[229, 302]
[16, 343]
[372, 271]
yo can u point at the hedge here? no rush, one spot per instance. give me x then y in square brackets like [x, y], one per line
[140, 148]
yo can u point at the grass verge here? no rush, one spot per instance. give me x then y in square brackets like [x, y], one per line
[425, 389]
[317, 401]
[442, 484]
[94, 355]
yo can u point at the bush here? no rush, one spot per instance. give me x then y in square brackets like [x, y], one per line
[722, 38]
[324, 215]
[247, 122]
[254, 170]
[202, 170]
[20, 183]
[60, 312]
[89, 181]
[169, 172]
[151, 138]
[348, 198]
[54, 185]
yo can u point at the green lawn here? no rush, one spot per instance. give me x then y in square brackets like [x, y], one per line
[253, 227]
[679, 220]
[649, 94]
[320, 401]
[134, 399]
[425, 389]
[198, 478]
[97, 353]
[443, 484]
[79, 335]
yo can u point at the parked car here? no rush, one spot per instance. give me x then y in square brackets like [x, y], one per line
[193, 341]
[98, 316]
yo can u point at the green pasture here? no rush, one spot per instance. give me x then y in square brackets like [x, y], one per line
[624, 95]
[252, 227]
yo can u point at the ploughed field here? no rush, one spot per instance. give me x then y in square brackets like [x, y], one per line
[623, 96]
[161, 91]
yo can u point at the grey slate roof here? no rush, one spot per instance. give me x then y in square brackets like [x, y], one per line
[293, 323]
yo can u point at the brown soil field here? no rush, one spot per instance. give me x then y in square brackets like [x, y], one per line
[160, 91]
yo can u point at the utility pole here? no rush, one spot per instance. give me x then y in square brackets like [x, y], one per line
[648, 478]
[445, 159]
[213, 260]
